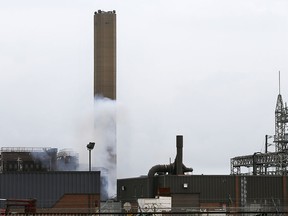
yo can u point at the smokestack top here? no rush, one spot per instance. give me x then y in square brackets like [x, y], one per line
[101, 11]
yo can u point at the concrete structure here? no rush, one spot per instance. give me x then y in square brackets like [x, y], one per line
[105, 54]
[105, 86]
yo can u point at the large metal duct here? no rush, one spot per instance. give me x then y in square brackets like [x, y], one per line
[176, 168]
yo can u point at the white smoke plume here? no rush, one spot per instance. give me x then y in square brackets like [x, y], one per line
[104, 153]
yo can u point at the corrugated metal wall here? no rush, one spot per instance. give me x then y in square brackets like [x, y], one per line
[210, 188]
[133, 188]
[213, 190]
[180, 201]
[263, 190]
[48, 187]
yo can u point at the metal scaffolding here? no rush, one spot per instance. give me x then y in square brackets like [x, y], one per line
[273, 163]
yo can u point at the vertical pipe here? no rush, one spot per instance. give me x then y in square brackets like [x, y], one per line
[89, 160]
[89, 195]
[179, 156]
[266, 143]
[266, 151]
[254, 163]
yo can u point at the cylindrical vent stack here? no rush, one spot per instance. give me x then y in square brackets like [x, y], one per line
[177, 168]
[179, 157]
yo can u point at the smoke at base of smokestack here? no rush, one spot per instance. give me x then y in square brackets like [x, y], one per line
[104, 154]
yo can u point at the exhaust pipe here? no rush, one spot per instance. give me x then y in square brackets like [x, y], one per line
[179, 156]
[176, 168]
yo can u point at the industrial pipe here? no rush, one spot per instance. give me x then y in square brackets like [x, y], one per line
[176, 168]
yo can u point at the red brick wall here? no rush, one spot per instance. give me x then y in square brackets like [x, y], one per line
[77, 203]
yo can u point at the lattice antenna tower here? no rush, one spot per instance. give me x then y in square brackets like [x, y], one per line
[281, 121]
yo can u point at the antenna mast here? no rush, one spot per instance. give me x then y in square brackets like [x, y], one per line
[281, 132]
[279, 83]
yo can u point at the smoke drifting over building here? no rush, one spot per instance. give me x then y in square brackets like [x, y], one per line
[25, 159]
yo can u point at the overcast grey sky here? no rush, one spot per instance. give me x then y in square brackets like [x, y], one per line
[205, 69]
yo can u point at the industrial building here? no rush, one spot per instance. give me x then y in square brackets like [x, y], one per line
[260, 190]
[35, 174]
[67, 160]
[233, 193]
[37, 159]
[208, 192]
[49, 176]
[34, 171]
[54, 191]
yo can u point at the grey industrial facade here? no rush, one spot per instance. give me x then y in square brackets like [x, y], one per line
[209, 191]
[53, 190]
[205, 192]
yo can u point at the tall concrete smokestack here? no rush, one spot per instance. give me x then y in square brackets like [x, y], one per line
[105, 54]
[105, 110]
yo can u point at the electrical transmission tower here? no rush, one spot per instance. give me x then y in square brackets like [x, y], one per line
[281, 120]
[269, 163]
